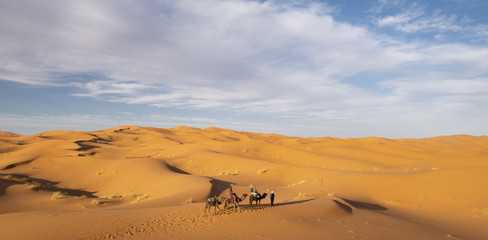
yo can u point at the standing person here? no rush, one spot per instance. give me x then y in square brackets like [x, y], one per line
[272, 196]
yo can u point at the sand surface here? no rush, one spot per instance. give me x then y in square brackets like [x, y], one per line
[148, 183]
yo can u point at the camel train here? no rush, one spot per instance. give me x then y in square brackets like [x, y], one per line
[233, 200]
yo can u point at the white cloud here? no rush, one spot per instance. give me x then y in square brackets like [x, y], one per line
[229, 46]
[267, 57]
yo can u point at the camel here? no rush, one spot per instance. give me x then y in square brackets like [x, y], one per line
[255, 197]
[236, 202]
[213, 202]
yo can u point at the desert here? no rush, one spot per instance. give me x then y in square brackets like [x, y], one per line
[133, 182]
[244, 119]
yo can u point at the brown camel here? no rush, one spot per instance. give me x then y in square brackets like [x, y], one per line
[213, 202]
[236, 202]
[255, 197]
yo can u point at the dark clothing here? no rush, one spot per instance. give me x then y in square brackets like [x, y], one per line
[272, 196]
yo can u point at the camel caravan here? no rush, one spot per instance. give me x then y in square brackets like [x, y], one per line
[234, 201]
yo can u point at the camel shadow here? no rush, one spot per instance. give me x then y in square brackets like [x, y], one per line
[265, 205]
[293, 202]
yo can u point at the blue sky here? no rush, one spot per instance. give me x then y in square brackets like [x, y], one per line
[301, 68]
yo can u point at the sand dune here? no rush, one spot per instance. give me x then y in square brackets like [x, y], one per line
[135, 182]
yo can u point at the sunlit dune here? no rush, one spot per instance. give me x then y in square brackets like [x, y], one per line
[135, 182]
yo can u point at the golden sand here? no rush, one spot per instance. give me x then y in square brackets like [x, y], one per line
[147, 183]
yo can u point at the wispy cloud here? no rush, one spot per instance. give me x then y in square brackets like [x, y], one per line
[415, 18]
[403, 18]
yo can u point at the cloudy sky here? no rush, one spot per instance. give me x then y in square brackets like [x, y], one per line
[387, 68]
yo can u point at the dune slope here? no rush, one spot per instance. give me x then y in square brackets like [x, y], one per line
[142, 183]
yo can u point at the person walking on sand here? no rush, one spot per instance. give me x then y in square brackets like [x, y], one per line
[272, 196]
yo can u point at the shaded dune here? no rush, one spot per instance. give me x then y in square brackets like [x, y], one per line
[218, 186]
[364, 205]
[343, 206]
[5, 183]
[40, 184]
[175, 169]
[84, 145]
[13, 165]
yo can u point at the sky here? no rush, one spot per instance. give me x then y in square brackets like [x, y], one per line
[306, 68]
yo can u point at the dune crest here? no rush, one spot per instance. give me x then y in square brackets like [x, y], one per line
[8, 134]
[152, 178]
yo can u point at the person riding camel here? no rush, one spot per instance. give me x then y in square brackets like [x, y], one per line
[231, 195]
[254, 191]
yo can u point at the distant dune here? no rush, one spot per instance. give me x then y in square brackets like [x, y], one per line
[134, 182]
[8, 134]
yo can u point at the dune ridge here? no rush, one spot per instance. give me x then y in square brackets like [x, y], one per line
[144, 182]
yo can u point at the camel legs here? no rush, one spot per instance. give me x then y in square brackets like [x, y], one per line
[236, 204]
[215, 210]
[208, 207]
[251, 200]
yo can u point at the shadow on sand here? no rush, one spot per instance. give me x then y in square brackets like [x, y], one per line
[358, 205]
[364, 205]
[293, 202]
[39, 184]
[83, 146]
[218, 186]
[175, 169]
[4, 184]
[13, 165]
[343, 206]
